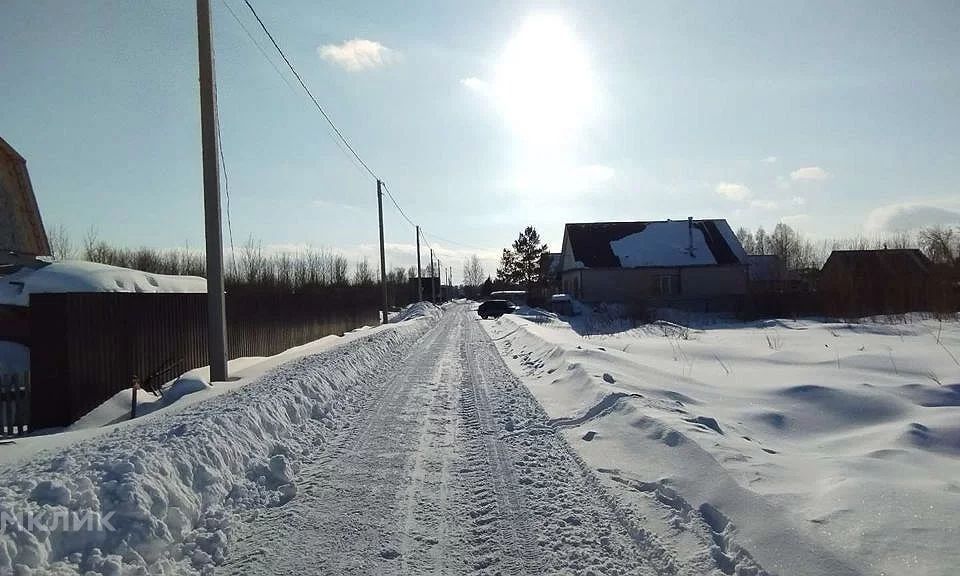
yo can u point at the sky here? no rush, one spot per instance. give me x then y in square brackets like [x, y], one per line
[839, 118]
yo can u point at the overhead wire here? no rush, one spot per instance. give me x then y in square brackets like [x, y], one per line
[340, 139]
[309, 93]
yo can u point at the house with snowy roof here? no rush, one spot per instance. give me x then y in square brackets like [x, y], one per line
[635, 262]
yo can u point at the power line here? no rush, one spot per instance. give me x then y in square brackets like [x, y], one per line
[341, 140]
[257, 44]
[461, 244]
[223, 168]
[353, 161]
[307, 90]
[399, 209]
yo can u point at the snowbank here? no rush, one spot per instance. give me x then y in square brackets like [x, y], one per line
[71, 276]
[169, 484]
[417, 310]
[814, 448]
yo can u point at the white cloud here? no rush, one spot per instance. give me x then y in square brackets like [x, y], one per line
[737, 192]
[357, 54]
[764, 204]
[770, 159]
[799, 201]
[809, 173]
[908, 216]
[475, 84]
[796, 220]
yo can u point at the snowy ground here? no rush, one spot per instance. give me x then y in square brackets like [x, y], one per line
[814, 448]
[413, 448]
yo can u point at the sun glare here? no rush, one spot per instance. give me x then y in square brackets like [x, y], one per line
[543, 82]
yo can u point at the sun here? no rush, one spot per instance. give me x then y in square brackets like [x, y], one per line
[543, 83]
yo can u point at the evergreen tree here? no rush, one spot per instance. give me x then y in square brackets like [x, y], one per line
[520, 266]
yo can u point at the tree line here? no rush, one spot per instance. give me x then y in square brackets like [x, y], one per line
[939, 243]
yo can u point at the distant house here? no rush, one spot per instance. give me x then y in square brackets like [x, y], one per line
[861, 282]
[628, 262]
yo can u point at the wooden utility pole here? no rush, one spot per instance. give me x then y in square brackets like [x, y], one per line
[383, 258]
[433, 288]
[216, 309]
[419, 272]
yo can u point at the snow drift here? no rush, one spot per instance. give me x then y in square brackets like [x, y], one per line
[169, 485]
[820, 448]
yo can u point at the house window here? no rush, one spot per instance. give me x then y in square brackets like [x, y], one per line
[667, 285]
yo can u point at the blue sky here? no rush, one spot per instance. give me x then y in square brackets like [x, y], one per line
[482, 117]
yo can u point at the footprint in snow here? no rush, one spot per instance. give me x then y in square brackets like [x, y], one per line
[389, 553]
[608, 378]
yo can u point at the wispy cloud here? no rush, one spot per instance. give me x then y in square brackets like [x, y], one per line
[796, 220]
[908, 216]
[737, 192]
[764, 204]
[809, 173]
[357, 54]
[475, 84]
[770, 159]
[798, 201]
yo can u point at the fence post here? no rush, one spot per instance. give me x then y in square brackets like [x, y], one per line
[133, 396]
[5, 386]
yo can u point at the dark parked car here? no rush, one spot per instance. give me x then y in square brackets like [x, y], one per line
[495, 308]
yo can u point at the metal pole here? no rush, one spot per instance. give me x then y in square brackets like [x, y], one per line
[433, 287]
[383, 258]
[419, 272]
[216, 310]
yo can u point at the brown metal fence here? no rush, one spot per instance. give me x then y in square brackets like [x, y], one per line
[87, 347]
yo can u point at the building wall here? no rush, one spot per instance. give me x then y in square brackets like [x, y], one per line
[21, 229]
[633, 284]
[714, 280]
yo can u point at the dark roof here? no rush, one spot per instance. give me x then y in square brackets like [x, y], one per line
[878, 261]
[590, 242]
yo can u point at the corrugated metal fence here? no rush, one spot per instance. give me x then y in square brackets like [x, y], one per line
[87, 347]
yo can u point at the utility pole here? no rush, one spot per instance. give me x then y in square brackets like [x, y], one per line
[383, 258]
[440, 277]
[419, 272]
[433, 287]
[216, 309]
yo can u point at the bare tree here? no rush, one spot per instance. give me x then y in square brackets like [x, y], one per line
[761, 242]
[940, 244]
[473, 273]
[746, 240]
[61, 247]
[362, 274]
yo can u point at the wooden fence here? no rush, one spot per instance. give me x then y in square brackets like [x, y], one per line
[87, 347]
[14, 404]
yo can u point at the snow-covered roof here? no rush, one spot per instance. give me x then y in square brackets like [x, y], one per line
[72, 276]
[667, 243]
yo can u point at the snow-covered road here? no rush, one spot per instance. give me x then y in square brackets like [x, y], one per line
[448, 467]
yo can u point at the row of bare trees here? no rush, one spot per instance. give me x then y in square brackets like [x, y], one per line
[251, 266]
[940, 243]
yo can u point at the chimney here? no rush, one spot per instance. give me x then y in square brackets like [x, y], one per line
[690, 234]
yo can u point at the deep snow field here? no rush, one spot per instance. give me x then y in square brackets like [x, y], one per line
[824, 448]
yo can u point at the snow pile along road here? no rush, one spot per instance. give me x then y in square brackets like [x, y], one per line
[159, 497]
[812, 448]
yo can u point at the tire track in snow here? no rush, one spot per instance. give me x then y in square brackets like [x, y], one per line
[448, 467]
